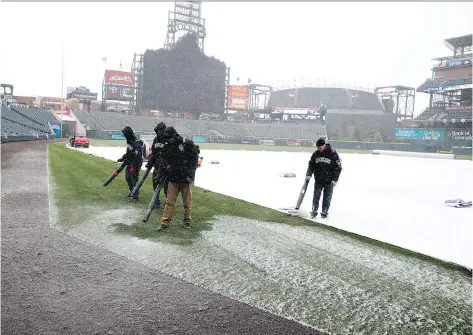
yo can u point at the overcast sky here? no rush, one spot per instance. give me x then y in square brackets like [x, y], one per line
[350, 43]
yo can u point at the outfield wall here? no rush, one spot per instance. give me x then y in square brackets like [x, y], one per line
[455, 147]
[413, 154]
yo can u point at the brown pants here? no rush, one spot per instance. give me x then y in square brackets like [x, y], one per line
[173, 191]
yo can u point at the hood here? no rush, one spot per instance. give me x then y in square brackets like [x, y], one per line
[129, 134]
[159, 129]
[171, 135]
[190, 147]
[170, 132]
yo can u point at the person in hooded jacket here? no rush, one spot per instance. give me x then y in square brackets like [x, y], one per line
[155, 160]
[180, 159]
[134, 157]
[326, 166]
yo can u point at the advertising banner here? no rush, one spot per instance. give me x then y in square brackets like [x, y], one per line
[127, 93]
[459, 108]
[436, 135]
[113, 77]
[223, 140]
[293, 143]
[117, 136]
[113, 92]
[252, 141]
[82, 96]
[266, 142]
[56, 127]
[238, 97]
[63, 112]
[119, 93]
[459, 135]
[454, 63]
[407, 133]
[81, 93]
[199, 139]
[419, 134]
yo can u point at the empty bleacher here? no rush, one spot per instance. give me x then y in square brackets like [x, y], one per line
[439, 114]
[332, 97]
[109, 121]
[19, 123]
[39, 117]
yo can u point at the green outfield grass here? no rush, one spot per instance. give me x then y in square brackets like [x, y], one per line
[317, 275]
[86, 174]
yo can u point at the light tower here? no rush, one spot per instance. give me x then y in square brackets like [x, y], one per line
[186, 17]
[399, 100]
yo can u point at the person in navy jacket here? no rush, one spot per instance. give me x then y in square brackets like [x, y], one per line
[326, 167]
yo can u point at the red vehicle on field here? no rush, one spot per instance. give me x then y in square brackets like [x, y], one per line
[82, 141]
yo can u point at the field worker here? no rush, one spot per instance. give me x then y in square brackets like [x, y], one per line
[180, 159]
[326, 167]
[155, 159]
[134, 157]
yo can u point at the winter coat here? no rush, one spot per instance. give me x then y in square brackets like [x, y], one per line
[134, 150]
[155, 159]
[326, 166]
[179, 158]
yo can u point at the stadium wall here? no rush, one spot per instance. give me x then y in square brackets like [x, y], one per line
[413, 154]
[356, 126]
[451, 147]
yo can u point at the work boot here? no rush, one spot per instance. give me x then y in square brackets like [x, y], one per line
[162, 227]
[313, 215]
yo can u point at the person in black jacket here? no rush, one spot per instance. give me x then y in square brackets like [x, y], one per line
[134, 157]
[180, 159]
[155, 160]
[326, 167]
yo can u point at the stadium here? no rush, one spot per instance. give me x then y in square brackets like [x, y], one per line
[391, 259]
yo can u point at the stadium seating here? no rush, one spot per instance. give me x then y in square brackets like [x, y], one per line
[332, 97]
[39, 117]
[24, 121]
[433, 83]
[24, 124]
[108, 121]
[439, 114]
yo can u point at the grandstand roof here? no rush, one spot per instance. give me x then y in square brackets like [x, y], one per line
[459, 42]
[397, 87]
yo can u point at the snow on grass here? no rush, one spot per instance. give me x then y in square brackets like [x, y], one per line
[331, 283]
[317, 276]
[397, 200]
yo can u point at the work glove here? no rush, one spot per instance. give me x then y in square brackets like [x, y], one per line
[307, 178]
[132, 170]
[334, 183]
